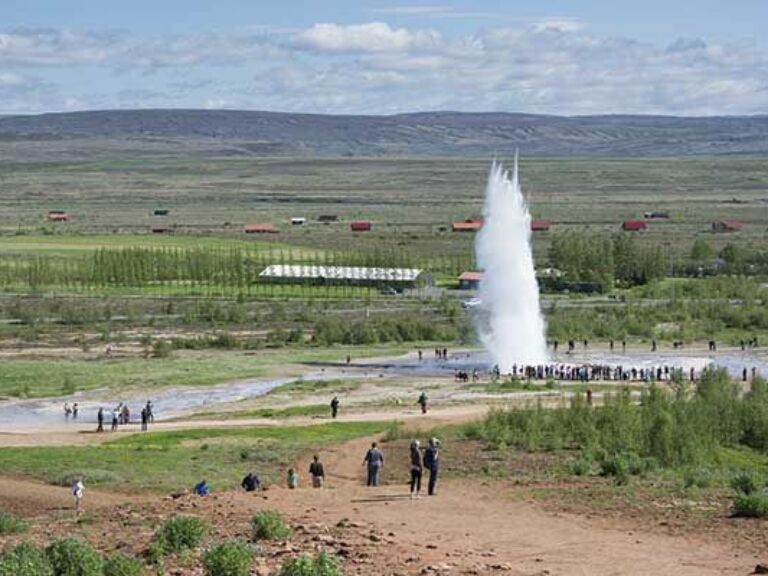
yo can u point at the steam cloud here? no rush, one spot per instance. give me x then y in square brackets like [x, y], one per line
[510, 324]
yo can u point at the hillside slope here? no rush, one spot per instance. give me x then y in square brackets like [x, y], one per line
[432, 133]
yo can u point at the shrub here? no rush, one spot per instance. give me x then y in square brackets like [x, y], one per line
[232, 558]
[10, 524]
[180, 533]
[320, 565]
[162, 349]
[121, 565]
[71, 557]
[751, 506]
[580, 466]
[697, 478]
[89, 477]
[745, 483]
[269, 525]
[24, 560]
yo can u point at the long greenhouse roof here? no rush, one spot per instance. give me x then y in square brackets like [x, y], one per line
[341, 273]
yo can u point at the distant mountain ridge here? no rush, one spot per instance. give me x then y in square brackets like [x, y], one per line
[425, 133]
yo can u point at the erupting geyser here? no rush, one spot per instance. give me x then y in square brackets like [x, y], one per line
[510, 324]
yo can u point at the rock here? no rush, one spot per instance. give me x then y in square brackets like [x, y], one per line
[761, 569]
[374, 538]
[502, 567]
[431, 546]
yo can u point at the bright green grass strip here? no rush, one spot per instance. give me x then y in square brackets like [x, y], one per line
[168, 461]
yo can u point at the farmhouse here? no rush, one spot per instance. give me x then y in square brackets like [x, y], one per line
[634, 225]
[468, 225]
[360, 226]
[260, 229]
[160, 212]
[58, 216]
[298, 221]
[470, 280]
[727, 225]
[656, 215]
[353, 275]
[540, 225]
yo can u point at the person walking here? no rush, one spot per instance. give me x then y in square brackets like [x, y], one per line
[334, 407]
[75, 410]
[115, 419]
[67, 411]
[100, 420]
[416, 469]
[432, 463]
[422, 401]
[144, 419]
[374, 459]
[150, 412]
[317, 472]
[78, 490]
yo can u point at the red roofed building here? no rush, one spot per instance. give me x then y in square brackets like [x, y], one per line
[260, 229]
[540, 225]
[470, 280]
[57, 216]
[634, 225]
[727, 226]
[360, 226]
[468, 225]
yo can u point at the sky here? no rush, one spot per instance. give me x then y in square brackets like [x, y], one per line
[678, 57]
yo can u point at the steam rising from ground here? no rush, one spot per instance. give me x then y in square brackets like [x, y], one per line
[510, 324]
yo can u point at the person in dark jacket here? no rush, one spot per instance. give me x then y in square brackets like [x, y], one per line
[100, 420]
[334, 407]
[422, 401]
[432, 463]
[202, 488]
[416, 469]
[317, 472]
[251, 482]
[374, 459]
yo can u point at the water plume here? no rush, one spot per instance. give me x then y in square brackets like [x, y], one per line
[510, 324]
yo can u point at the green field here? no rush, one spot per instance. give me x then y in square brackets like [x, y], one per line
[171, 461]
[44, 377]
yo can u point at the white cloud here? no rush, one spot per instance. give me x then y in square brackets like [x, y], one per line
[551, 66]
[53, 47]
[362, 38]
[558, 25]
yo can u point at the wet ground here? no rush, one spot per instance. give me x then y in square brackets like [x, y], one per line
[181, 401]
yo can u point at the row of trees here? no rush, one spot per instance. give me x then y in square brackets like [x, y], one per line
[607, 260]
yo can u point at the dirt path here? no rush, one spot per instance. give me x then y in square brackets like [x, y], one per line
[30, 498]
[470, 527]
[474, 525]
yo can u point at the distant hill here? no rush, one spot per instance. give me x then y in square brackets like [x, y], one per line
[429, 133]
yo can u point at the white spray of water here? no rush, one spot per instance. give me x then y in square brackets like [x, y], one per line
[510, 324]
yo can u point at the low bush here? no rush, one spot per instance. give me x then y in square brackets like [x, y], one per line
[320, 565]
[89, 477]
[231, 558]
[697, 478]
[269, 525]
[751, 506]
[10, 524]
[746, 483]
[71, 557]
[180, 533]
[24, 560]
[121, 565]
[580, 467]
